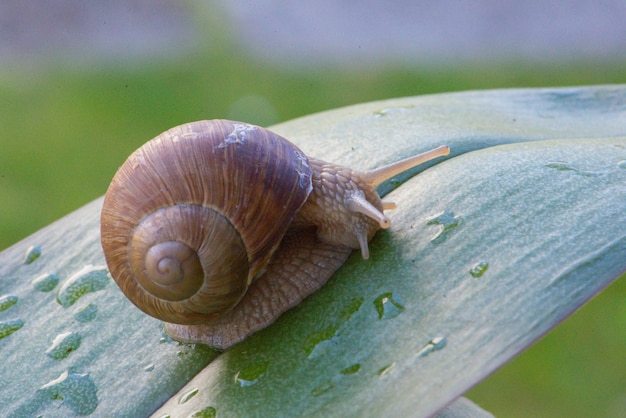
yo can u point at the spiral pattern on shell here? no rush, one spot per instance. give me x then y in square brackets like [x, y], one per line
[193, 216]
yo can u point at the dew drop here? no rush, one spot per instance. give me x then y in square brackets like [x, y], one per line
[186, 396]
[63, 345]
[355, 368]
[320, 341]
[251, 375]
[322, 389]
[385, 369]
[86, 313]
[77, 391]
[390, 110]
[32, 253]
[560, 166]
[447, 222]
[87, 280]
[565, 166]
[149, 367]
[351, 308]
[622, 164]
[435, 344]
[46, 282]
[479, 268]
[208, 412]
[387, 306]
[6, 301]
[9, 327]
[316, 341]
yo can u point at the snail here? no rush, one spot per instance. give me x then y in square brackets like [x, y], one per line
[218, 227]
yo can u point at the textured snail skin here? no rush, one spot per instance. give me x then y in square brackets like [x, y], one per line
[299, 267]
[218, 227]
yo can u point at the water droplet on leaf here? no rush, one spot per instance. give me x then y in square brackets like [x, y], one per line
[32, 253]
[6, 301]
[322, 389]
[63, 345]
[89, 279]
[565, 166]
[317, 340]
[387, 306]
[251, 374]
[77, 391]
[435, 344]
[479, 268]
[447, 222]
[390, 110]
[208, 412]
[46, 282]
[186, 396]
[355, 368]
[86, 313]
[385, 369]
[351, 308]
[9, 327]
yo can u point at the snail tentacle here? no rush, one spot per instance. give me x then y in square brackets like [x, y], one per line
[382, 174]
[356, 202]
[389, 205]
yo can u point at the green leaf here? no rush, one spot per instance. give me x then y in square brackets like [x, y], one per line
[489, 249]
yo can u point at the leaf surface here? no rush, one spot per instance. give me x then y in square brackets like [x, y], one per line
[489, 249]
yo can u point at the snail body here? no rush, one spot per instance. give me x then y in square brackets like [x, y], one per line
[218, 227]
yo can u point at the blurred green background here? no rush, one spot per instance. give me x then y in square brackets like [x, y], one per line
[67, 122]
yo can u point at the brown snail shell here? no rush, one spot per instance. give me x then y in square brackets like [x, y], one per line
[218, 227]
[189, 188]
